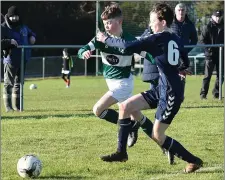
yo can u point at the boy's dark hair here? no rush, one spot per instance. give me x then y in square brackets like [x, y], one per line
[111, 11]
[164, 12]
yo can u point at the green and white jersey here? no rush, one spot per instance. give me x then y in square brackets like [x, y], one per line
[116, 61]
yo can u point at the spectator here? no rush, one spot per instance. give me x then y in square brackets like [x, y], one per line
[213, 33]
[13, 28]
[185, 29]
[66, 67]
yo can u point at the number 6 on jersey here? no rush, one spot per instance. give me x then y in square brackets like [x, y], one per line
[173, 53]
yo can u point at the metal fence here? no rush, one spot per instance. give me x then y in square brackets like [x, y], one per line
[84, 65]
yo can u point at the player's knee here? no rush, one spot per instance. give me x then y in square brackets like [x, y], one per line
[97, 110]
[136, 115]
[158, 138]
[124, 107]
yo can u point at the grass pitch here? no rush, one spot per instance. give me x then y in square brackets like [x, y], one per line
[58, 126]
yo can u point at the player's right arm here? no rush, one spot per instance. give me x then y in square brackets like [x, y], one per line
[86, 51]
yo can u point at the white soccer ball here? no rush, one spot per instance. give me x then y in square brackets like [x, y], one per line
[33, 86]
[29, 166]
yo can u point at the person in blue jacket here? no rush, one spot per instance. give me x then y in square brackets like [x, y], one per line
[13, 28]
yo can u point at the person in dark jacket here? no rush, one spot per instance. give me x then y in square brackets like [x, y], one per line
[13, 28]
[213, 33]
[185, 29]
[150, 72]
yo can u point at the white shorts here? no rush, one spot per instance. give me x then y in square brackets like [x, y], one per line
[65, 71]
[120, 89]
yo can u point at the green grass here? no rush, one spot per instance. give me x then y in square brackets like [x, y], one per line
[58, 125]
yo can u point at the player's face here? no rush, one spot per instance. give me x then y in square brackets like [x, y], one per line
[155, 24]
[112, 26]
[180, 13]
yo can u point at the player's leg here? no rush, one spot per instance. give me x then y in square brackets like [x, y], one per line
[68, 79]
[153, 85]
[151, 97]
[8, 85]
[133, 135]
[16, 90]
[101, 108]
[209, 66]
[122, 93]
[121, 90]
[175, 147]
[63, 77]
[131, 106]
[215, 91]
[164, 116]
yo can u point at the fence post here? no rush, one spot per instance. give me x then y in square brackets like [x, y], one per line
[85, 67]
[195, 62]
[220, 74]
[140, 62]
[43, 68]
[97, 51]
[21, 79]
[96, 66]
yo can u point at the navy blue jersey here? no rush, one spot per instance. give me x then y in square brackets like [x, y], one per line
[167, 49]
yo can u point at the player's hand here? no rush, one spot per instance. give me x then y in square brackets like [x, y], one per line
[14, 42]
[87, 54]
[188, 72]
[101, 37]
[185, 72]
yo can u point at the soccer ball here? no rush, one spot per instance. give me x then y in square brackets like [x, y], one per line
[33, 86]
[29, 166]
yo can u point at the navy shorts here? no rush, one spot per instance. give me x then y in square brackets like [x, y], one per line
[167, 104]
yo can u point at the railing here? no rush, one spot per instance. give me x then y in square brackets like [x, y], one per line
[79, 46]
[140, 64]
[22, 63]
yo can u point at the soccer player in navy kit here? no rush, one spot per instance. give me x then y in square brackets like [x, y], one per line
[166, 48]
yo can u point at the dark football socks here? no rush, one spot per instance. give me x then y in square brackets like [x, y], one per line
[110, 115]
[124, 129]
[146, 126]
[178, 150]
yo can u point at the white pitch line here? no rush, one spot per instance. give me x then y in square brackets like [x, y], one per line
[203, 169]
[211, 169]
